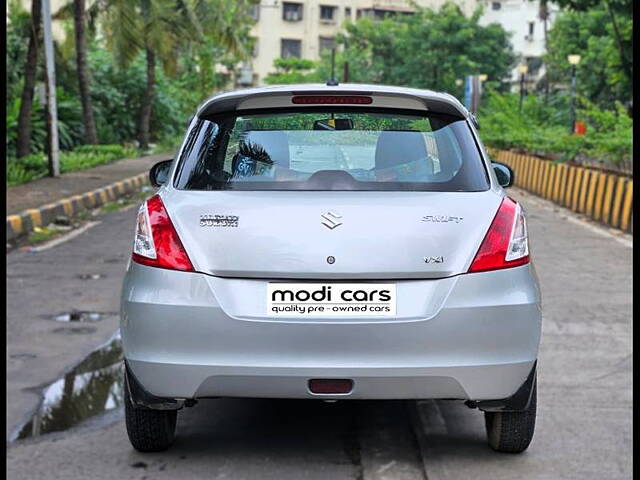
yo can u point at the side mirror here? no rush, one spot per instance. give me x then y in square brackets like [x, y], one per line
[159, 173]
[504, 174]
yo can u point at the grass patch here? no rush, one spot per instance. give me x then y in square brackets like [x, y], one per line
[168, 144]
[32, 167]
[115, 206]
[131, 198]
[44, 234]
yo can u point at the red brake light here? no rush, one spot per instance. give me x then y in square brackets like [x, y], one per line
[505, 245]
[164, 249]
[332, 99]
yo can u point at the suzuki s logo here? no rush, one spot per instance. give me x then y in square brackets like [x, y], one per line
[331, 219]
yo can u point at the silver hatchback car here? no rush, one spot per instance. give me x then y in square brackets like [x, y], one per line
[331, 242]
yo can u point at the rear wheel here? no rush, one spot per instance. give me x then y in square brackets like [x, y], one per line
[149, 430]
[511, 432]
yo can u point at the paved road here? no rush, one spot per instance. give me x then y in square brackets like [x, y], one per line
[585, 411]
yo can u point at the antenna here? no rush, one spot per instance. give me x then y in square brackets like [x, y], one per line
[332, 81]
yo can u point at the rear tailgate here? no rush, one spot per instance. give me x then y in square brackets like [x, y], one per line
[370, 235]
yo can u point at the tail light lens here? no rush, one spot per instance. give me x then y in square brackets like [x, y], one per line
[506, 243]
[156, 243]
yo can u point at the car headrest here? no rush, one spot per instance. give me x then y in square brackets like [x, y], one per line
[274, 143]
[397, 147]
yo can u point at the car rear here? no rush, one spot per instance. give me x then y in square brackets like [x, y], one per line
[331, 243]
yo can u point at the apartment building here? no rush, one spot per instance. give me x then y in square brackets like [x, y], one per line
[303, 28]
[522, 19]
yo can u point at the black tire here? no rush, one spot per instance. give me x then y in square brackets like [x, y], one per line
[149, 430]
[511, 432]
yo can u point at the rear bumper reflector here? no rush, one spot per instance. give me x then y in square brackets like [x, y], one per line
[330, 386]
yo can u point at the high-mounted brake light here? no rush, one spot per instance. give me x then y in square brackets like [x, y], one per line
[506, 243]
[332, 99]
[156, 243]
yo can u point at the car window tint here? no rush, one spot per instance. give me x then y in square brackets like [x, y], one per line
[359, 150]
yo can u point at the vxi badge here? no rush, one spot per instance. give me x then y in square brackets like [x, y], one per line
[439, 259]
[331, 299]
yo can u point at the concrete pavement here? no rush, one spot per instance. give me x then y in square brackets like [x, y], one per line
[49, 190]
[584, 420]
[38, 203]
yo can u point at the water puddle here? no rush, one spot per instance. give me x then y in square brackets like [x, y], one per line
[23, 356]
[92, 387]
[79, 316]
[75, 330]
[90, 276]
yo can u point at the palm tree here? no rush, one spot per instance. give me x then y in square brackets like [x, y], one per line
[149, 26]
[162, 28]
[90, 135]
[23, 141]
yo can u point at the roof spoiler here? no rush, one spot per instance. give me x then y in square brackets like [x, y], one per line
[282, 98]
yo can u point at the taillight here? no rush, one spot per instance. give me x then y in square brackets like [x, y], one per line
[506, 244]
[156, 243]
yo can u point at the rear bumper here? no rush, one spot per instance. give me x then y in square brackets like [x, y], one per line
[472, 337]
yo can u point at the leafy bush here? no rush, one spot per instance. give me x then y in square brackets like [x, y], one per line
[70, 128]
[38, 127]
[609, 132]
[17, 174]
[169, 143]
[18, 28]
[117, 95]
[544, 128]
[34, 166]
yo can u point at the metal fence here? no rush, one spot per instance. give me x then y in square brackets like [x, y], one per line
[601, 195]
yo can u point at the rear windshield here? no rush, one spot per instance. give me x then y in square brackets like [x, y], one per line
[331, 150]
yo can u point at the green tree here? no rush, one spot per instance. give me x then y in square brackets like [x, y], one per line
[429, 49]
[292, 70]
[619, 13]
[225, 40]
[154, 27]
[602, 76]
[162, 28]
[79, 11]
[23, 142]
[18, 30]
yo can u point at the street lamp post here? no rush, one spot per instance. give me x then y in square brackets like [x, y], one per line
[522, 69]
[53, 151]
[574, 60]
[481, 79]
